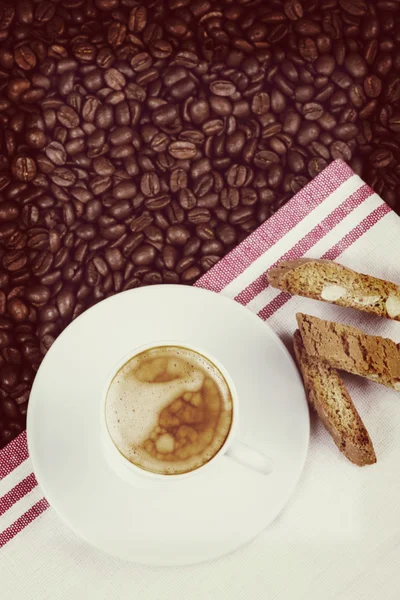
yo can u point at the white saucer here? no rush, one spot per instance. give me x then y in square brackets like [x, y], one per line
[166, 523]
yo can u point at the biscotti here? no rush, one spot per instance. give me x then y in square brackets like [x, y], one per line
[331, 282]
[348, 348]
[327, 394]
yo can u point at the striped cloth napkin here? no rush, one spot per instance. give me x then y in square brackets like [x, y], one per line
[339, 536]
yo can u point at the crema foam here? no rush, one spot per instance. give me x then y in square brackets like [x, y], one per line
[169, 410]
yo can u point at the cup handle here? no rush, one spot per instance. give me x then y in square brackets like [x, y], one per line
[249, 457]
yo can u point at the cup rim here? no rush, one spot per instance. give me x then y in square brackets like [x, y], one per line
[118, 460]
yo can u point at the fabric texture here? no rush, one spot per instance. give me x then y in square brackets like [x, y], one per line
[339, 535]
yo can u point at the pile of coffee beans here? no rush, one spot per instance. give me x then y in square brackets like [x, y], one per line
[141, 141]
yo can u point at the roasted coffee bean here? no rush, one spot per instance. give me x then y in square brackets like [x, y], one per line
[237, 175]
[357, 8]
[120, 136]
[152, 278]
[340, 150]
[35, 138]
[46, 342]
[207, 262]
[317, 149]
[38, 294]
[213, 127]
[271, 130]
[394, 123]
[178, 235]
[104, 117]
[140, 223]
[199, 111]
[381, 158]
[308, 49]
[187, 199]
[182, 150]
[212, 247]
[114, 258]
[345, 132]
[65, 302]
[183, 264]
[308, 133]
[9, 377]
[175, 213]
[24, 168]
[230, 198]
[325, 65]
[14, 260]
[42, 263]
[25, 58]
[222, 88]
[198, 215]
[260, 103]
[295, 161]
[372, 86]
[221, 106]
[144, 255]
[49, 314]
[312, 111]
[316, 165]
[150, 184]
[170, 256]
[293, 9]
[114, 79]
[63, 177]
[291, 123]
[126, 190]
[18, 310]
[355, 65]
[275, 176]
[265, 158]
[68, 117]
[9, 211]
[158, 202]
[191, 274]
[241, 215]
[192, 247]
[131, 243]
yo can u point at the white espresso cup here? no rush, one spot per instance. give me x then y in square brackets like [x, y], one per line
[232, 447]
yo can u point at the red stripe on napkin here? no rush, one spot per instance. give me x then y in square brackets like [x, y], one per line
[17, 492]
[357, 232]
[30, 515]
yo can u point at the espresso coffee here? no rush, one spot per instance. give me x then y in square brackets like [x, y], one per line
[169, 410]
